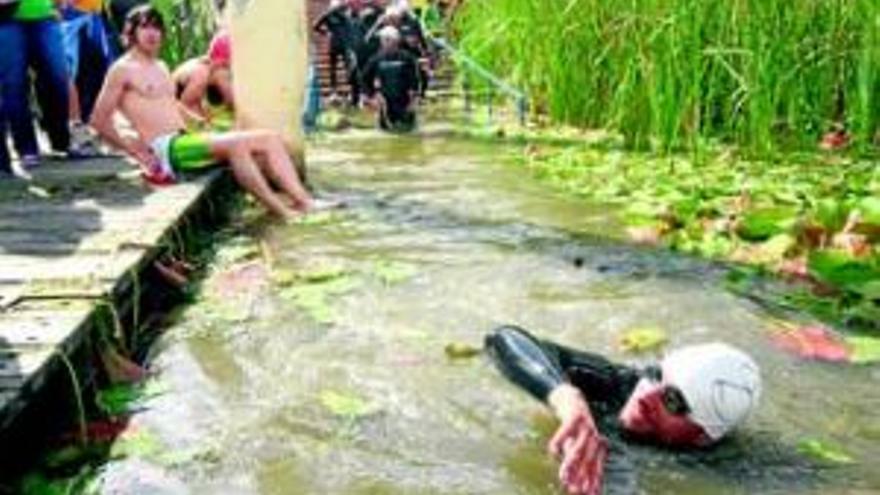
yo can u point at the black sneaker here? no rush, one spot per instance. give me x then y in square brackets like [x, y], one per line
[81, 152]
[30, 161]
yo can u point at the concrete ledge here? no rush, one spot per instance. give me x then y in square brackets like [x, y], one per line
[75, 239]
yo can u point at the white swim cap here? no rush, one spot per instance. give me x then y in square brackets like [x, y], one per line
[721, 384]
[389, 33]
[395, 11]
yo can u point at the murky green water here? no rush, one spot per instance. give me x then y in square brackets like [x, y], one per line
[441, 242]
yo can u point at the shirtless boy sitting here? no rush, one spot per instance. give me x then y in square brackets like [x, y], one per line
[139, 86]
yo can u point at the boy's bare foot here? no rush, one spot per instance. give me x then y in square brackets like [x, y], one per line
[324, 204]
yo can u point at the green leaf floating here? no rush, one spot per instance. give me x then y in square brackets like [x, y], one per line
[825, 452]
[314, 298]
[869, 209]
[865, 350]
[840, 269]
[830, 214]
[346, 405]
[760, 224]
[645, 339]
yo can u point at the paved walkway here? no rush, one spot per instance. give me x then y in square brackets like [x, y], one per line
[71, 238]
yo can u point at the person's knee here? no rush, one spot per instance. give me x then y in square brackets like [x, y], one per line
[270, 139]
[251, 140]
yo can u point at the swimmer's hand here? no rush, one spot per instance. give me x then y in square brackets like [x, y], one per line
[577, 443]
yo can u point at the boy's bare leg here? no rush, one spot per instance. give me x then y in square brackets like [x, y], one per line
[251, 178]
[236, 148]
[241, 148]
[280, 169]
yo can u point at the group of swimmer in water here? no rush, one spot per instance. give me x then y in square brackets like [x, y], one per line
[692, 398]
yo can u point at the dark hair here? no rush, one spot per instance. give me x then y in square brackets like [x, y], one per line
[138, 17]
[214, 96]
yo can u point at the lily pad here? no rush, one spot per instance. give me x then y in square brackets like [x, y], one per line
[869, 211]
[830, 214]
[314, 298]
[761, 224]
[839, 269]
[824, 452]
[644, 339]
[865, 350]
[346, 405]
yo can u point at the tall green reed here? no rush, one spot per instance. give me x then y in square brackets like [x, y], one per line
[764, 74]
[190, 25]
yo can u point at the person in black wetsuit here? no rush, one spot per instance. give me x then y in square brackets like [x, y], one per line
[412, 39]
[397, 73]
[693, 398]
[336, 22]
[362, 16]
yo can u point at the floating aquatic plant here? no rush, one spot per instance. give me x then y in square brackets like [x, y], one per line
[314, 298]
[824, 452]
[461, 350]
[810, 221]
[643, 339]
[346, 405]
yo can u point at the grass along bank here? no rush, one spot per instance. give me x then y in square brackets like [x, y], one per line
[763, 74]
[814, 220]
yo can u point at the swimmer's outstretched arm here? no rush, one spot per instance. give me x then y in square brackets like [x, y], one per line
[537, 367]
[525, 361]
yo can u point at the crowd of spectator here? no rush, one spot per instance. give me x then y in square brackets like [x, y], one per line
[53, 59]
[56, 54]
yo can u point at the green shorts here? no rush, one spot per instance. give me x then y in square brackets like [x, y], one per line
[191, 151]
[183, 152]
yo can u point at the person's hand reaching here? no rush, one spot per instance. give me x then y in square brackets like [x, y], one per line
[577, 443]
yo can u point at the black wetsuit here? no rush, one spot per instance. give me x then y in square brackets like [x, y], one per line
[539, 366]
[412, 39]
[338, 23]
[758, 463]
[398, 76]
[362, 49]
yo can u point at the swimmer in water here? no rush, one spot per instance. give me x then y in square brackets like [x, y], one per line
[693, 398]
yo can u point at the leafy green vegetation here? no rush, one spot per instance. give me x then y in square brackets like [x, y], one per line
[824, 452]
[813, 220]
[190, 25]
[346, 405]
[760, 73]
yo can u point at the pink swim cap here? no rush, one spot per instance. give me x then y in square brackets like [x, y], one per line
[220, 50]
